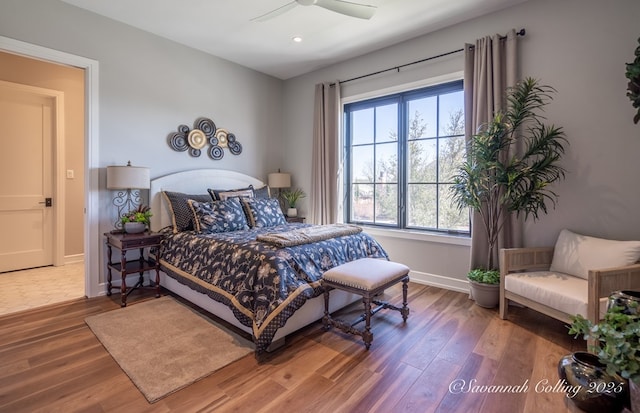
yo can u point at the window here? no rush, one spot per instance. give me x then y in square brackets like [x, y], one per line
[401, 153]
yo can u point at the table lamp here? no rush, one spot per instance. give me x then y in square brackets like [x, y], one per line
[279, 180]
[127, 180]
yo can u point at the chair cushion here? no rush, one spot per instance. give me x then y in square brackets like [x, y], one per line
[557, 290]
[576, 254]
[366, 273]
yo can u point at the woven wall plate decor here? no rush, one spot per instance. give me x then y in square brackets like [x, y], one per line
[204, 132]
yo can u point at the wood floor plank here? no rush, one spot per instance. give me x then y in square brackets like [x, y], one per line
[514, 370]
[314, 386]
[51, 361]
[477, 370]
[494, 339]
[388, 391]
[544, 392]
[429, 389]
[255, 397]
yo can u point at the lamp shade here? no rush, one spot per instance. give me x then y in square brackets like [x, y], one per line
[128, 177]
[279, 180]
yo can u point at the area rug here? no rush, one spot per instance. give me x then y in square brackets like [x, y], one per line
[164, 345]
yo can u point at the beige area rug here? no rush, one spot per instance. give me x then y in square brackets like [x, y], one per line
[164, 345]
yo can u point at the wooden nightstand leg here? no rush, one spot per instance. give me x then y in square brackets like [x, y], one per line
[109, 285]
[123, 284]
[141, 279]
[157, 280]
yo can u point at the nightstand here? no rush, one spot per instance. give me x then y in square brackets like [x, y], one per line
[294, 219]
[125, 242]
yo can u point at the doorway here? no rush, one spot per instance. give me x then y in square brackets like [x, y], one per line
[28, 215]
[91, 166]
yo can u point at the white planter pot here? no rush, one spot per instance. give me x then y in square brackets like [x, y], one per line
[292, 212]
[134, 227]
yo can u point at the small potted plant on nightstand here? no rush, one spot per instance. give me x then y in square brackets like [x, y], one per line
[292, 197]
[137, 220]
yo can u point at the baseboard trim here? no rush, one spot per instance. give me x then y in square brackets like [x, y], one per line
[439, 281]
[72, 259]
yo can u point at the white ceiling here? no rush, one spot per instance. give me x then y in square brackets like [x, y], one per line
[224, 28]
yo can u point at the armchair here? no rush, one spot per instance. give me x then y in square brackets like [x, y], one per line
[574, 277]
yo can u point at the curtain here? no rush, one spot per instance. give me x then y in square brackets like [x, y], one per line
[490, 68]
[324, 172]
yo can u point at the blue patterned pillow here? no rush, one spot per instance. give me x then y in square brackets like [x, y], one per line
[264, 212]
[181, 213]
[219, 216]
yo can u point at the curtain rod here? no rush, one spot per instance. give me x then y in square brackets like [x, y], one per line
[521, 32]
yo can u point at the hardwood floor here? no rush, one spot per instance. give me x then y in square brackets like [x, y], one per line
[50, 361]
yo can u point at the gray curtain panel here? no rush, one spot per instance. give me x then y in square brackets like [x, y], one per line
[324, 174]
[491, 66]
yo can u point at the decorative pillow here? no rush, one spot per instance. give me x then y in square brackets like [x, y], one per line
[222, 194]
[262, 213]
[263, 192]
[218, 216]
[576, 254]
[181, 214]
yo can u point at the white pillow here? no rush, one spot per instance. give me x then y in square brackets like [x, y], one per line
[576, 254]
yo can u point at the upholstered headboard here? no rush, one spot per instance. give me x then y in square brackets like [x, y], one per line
[195, 181]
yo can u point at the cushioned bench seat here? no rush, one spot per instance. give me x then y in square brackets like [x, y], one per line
[367, 277]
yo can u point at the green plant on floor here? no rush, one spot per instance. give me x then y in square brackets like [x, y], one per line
[484, 276]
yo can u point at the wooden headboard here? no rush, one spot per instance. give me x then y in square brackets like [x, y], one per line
[195, 181]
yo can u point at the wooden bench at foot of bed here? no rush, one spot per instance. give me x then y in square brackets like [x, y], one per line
[366, 277]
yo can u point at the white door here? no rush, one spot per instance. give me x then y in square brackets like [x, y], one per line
[27, 136]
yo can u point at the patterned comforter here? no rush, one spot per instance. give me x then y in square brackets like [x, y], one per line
[263, 285]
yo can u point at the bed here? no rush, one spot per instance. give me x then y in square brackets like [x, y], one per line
[263, 289]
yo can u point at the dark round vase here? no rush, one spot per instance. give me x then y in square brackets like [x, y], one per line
[597, 391]
[628, 300]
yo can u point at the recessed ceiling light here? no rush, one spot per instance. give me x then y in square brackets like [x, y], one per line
[297, 39]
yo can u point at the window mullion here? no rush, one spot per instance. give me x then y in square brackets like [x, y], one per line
[402, 163]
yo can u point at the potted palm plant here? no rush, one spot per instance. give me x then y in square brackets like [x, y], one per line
[497, 180]
[292, 197]
[633, 87]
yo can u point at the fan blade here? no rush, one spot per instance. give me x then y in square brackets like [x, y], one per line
[361, 11]
[275, 13]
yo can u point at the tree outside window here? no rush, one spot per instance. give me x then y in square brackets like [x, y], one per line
[402, 153]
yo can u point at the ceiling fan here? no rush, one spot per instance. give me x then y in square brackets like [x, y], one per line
[360, 11]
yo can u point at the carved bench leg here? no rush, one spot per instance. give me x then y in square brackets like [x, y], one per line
[405, 302]
[367, 335]
[325, 320]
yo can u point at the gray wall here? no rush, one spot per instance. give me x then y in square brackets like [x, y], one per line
[579, 47]
[149, 86]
